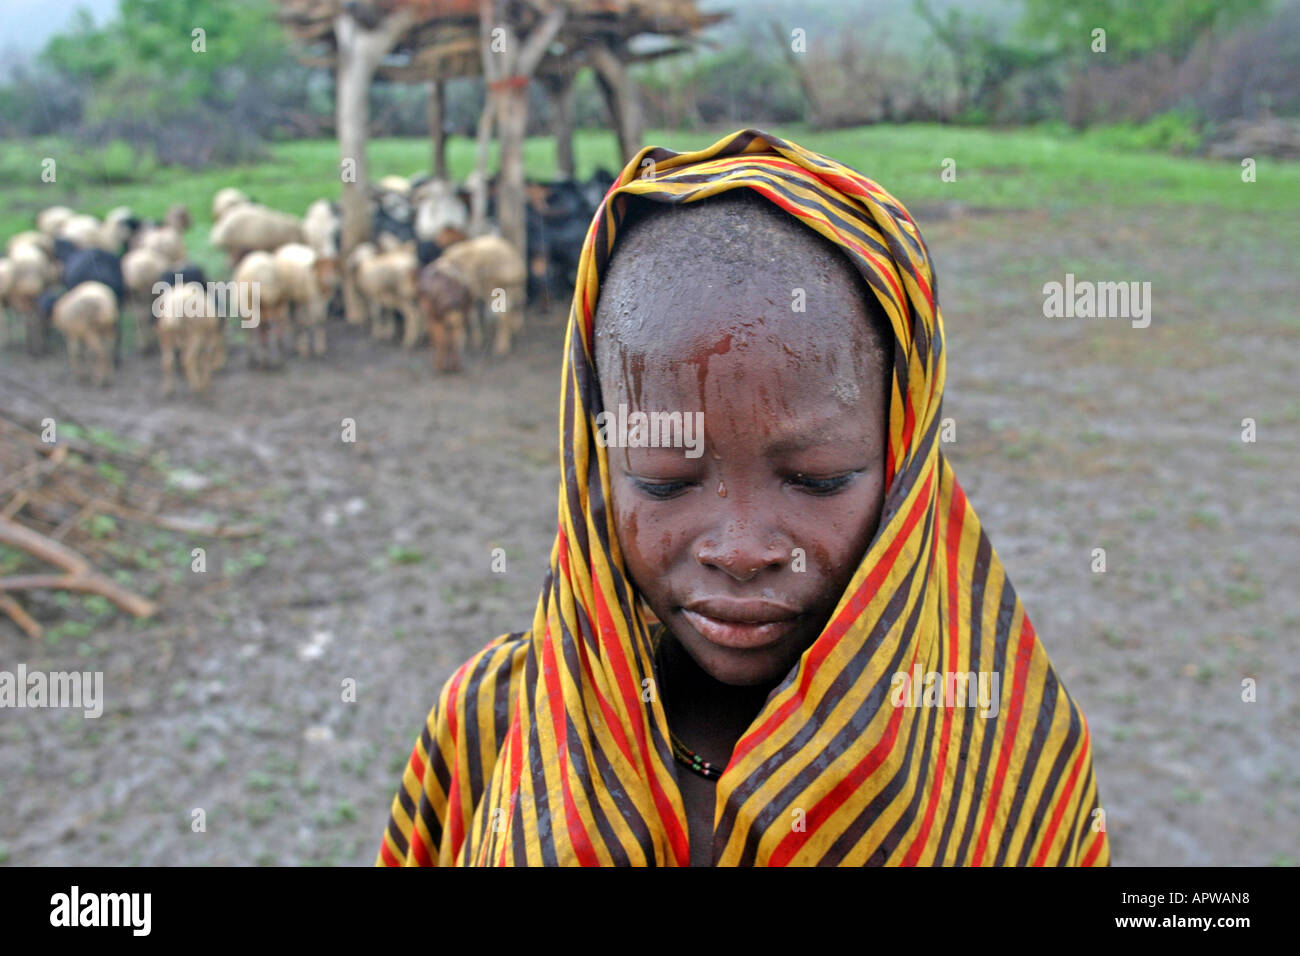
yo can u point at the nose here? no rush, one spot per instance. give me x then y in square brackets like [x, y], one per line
[743, 547]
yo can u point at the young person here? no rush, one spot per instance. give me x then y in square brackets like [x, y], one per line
[773, 631]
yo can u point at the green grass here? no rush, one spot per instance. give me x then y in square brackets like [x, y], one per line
[1005, 169]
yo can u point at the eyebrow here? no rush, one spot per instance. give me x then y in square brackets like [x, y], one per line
[819, 432]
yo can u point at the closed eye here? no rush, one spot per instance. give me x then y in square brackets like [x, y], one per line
[824, 487]
[661, 490]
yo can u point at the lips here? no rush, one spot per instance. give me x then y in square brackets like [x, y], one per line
[739, 624]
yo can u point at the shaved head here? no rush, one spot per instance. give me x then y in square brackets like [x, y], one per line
[669, 256]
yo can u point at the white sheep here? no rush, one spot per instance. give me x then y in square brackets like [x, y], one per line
[387, 280]
[188, 324]
[225, 200]
[438, 208]
[165, 240]
[320, 228]
[87, 317]
[495, 274]
[33, 272]
[249, 227]
[140, 270]
[257, 269]
[50, 221]
[394, 184]
[306, 282]
[30, 238]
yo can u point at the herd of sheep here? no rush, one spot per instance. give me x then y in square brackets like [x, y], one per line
[86, 277]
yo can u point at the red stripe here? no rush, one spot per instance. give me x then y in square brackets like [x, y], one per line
[419, 849]
[956, 516]
[837, 627]
[606, 708]
[1095, 852]
[1025, 644]
[827, 805]
[514, 740]
[386, 855]
[578, 836]
[1062, 802]
[455, 825]
[677, 840]
[417, 763]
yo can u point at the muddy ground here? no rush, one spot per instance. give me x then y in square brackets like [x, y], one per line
[375, 561]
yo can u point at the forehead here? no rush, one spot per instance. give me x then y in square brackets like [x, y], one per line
[788, 314]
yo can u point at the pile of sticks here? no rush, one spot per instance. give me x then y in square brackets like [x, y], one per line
[51, 491]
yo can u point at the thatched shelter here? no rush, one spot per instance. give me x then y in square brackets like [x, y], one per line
[507, 42]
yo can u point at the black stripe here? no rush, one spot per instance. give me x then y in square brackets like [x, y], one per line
[546, 838]
[395, 832]
[1006, 611]
[1050, 686]
[472, 745]
[1025, 773]
[980, 576]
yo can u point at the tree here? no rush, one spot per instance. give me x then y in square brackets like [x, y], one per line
[1132, 29]
[983, 64]
[162, 57]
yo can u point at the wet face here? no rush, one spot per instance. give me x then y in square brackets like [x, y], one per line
[744, 551]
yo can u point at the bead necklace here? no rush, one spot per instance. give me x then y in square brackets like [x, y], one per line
[692, 760]
[681, 753]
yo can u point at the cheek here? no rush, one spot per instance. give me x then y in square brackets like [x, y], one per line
[647, 541]
[838, 531]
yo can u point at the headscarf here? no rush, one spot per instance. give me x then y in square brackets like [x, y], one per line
[549, 746]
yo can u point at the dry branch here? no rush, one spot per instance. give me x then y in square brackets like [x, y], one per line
[79, 576]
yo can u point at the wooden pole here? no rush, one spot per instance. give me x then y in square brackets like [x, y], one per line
[560, 88]
[620, 94]
[508, 64]
[360, 50]
[437, 117]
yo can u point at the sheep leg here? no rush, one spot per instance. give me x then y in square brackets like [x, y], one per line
[302, 327]
[475, 321]
[168, 361]
[190, 361]
[438, 335]
[143, 331]
[505, 329]
[35, 330]
[74, 357]
[279, 341]
[257, 345]
[456, 333]
[104, 354]
[411, 326]
[219, 345]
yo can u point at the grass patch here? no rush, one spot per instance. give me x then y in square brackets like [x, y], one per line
[1004, 169]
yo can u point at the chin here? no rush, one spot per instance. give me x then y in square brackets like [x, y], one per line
[740, 668]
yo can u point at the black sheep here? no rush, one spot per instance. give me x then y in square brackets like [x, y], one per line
[94, 265]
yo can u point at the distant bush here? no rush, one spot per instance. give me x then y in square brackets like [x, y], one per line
[1176, 131]
[121, 162]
